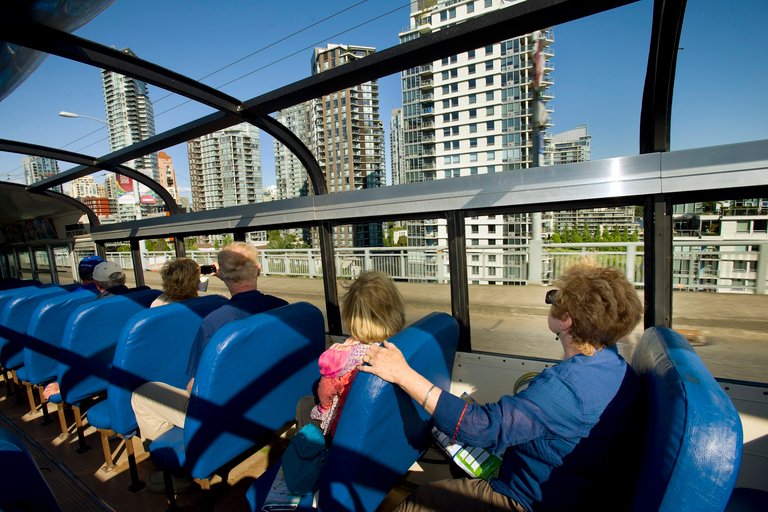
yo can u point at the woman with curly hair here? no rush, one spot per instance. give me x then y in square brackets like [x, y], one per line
[569, 441]
[181, 280]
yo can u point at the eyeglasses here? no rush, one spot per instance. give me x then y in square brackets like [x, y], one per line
[550, 297]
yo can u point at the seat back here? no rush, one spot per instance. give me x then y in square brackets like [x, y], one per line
[89, 341]
[251, 375]
[382, 431]
[154, 346]
[23, 486]
[14, 321]
[46, 325]
[693, 440]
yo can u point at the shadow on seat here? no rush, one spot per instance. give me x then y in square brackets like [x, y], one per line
[15, 317]
[694, 439]
[43, 341]
[87, 349]
[251, 375]
[23, 486]
[151, 348]
[382, 431]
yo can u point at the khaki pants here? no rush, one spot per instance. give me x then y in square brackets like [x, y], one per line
[158, 408]
[458, 495]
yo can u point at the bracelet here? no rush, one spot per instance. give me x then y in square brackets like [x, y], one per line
[456, 432]
[424, 403]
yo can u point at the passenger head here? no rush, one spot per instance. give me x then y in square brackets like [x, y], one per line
[602, 304]
[86, 266]
[373, 308]
[181, 279]
[107, 275]
[239, 265]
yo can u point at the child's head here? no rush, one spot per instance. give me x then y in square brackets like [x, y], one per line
[373, 309]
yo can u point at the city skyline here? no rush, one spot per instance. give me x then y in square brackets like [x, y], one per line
[600, 65]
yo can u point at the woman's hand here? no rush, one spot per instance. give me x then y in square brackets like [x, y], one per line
[387, 362]
[50, 390]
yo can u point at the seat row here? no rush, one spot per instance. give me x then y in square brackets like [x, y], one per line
[254, 372]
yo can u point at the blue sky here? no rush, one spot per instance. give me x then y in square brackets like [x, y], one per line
[599, 66]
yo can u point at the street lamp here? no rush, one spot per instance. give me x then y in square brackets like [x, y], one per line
[71, 115]
[136, 192]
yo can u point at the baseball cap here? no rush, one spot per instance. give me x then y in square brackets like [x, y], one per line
[89, 263]
[105, 269]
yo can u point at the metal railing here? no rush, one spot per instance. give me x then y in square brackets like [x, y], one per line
[700, 265]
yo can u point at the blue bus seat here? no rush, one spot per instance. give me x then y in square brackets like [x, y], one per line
[251, 375]
[88, 347]
[22, 486]
[153, 346]
[382, 431]
[694, 439]
[44, 333]
[14, 282]
[14, 321]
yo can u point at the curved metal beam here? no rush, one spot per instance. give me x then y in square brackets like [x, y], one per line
[656, 111]
[297, 147]
[49, 40]
[88, 165]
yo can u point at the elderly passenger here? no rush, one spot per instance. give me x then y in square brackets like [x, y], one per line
[159, 406]
[181, 280]
[109, 278]
[570, 440]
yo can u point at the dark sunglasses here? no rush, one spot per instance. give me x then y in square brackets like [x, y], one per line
[550, 297]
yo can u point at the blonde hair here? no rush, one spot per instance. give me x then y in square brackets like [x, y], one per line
[239, 263]
[181, 279]
[602, 304]
[373, 308]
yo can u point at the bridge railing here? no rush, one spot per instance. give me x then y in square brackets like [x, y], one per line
[698, 265]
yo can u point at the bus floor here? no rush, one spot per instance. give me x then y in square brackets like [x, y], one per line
[80, 482]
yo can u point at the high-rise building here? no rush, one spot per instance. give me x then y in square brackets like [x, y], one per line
[290, 175]
[225, 169]
[471, 113]
[130, 116]
[166, 174]
[37, 168]
[397, 157]
[349, 139]
[83, 187]
[345, 135]
[570, 147]
[131, 119]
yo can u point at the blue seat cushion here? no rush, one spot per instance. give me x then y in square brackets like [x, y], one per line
[168, 449]
[98, 416]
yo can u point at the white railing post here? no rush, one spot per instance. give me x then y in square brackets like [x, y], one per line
[310, 264]
[631, 253]
[536, 250]
[402, 259]
[762, 269]
[440, 260]
[367, 260]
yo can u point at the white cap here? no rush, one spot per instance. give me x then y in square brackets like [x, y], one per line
[106, 269]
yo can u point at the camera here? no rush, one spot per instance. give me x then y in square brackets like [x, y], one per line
[207, 269]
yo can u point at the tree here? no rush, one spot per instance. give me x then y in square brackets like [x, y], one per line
[556, 239]
[228, 239]
[402, 241]
[190, 244]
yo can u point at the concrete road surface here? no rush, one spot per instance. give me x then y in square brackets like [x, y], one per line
[513, 319]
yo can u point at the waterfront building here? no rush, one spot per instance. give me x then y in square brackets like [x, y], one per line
[472, 113]
[130, 119]
[37, 168]
[397, 157]
[225, 170]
